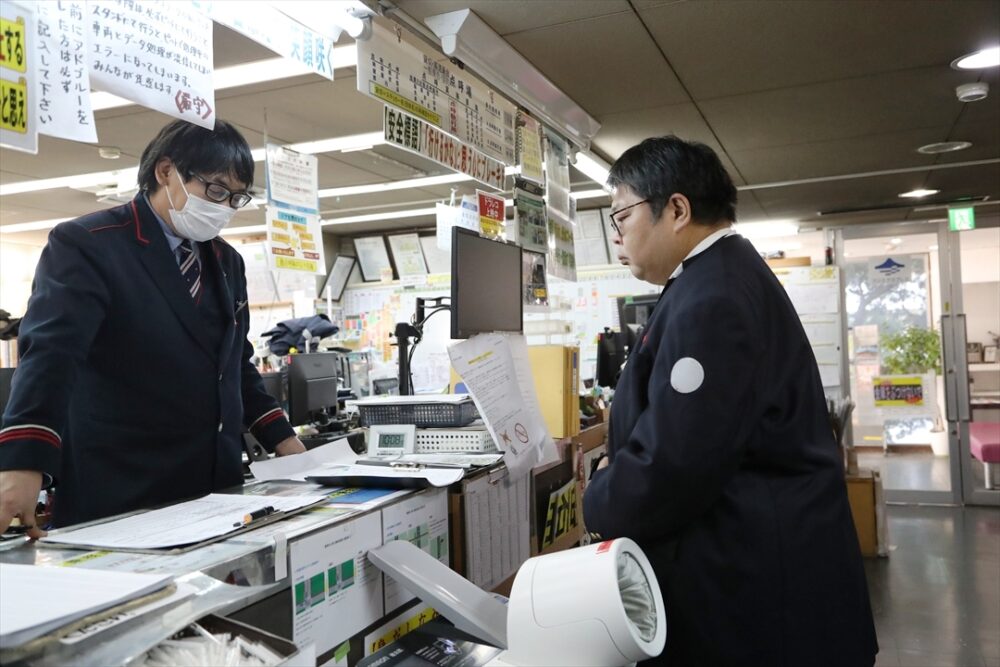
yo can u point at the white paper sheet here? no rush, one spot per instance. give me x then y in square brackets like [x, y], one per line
[175, 77]
[184, 523]
[499, 381]
[336, 591]
[421, 520]
[36, 600]
[63, 86]
[337, 459]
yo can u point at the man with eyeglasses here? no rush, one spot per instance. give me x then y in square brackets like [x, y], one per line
[721, 463]
[135, 383]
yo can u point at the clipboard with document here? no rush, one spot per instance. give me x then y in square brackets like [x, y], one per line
[183, 526]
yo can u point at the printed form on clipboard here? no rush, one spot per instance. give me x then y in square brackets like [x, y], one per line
[184, 525]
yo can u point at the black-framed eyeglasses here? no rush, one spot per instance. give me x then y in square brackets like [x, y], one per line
[220, 193]
[614, 214]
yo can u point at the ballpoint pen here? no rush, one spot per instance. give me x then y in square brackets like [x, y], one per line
[253, 516]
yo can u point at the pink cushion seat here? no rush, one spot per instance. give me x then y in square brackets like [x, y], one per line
[984, 441]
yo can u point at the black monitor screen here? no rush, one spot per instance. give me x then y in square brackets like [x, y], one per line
[312, 386]
[485, 285]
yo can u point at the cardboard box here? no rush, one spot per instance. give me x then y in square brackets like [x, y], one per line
[556, 371]
[862, 497]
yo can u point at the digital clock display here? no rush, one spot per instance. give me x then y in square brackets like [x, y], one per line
[393, 440]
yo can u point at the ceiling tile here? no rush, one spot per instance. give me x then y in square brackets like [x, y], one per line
[606, 65]
[728, 48]
[835, 110]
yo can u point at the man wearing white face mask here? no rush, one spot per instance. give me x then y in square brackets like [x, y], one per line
[135, 383]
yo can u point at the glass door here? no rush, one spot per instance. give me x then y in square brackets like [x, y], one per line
[895, 294]
[975, 338]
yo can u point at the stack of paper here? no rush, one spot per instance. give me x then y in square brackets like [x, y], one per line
[186, 523]
[37, 600]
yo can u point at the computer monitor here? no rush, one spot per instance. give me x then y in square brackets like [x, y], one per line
[485, 285]
[312, 387]
[274, 385]
[633, 315]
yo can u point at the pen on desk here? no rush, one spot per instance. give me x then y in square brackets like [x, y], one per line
[253, 516]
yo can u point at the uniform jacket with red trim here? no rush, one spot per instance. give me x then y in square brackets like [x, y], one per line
[120, 394]
[725, 471]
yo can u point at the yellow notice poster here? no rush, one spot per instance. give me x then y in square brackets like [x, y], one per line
[898, 391]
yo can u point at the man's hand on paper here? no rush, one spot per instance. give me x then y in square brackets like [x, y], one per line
[18, 496]
[290, 445]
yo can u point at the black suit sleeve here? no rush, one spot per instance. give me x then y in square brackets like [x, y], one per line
[70, 298]
[684, 446]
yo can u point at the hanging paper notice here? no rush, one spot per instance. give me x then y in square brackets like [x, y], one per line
[63, 85]
[292, 180]
[496, 369]
[529, 146]
[18, 77]
[398, 73]
[412, 134]
[263, 23]
[492, 215]
[529, 217]
[534, 283]
[295, 241]
[155, 53]
[561, 248]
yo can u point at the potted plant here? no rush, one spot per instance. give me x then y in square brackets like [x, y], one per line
[917, 351]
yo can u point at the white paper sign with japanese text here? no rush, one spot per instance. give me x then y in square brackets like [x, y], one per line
[155, 53]
[266, 25]
[292, 179]
[398, 73]
[63, 86]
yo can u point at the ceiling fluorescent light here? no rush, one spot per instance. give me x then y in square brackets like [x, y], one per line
[918, 193]
[259, 71]
[979, 59]
[443, 179]
[36, 226]
[467, 37]
[767, 230]
[592, 167]
[88, 180]
[339, 143]
[372, 217]
[244, 231]
[589, 194]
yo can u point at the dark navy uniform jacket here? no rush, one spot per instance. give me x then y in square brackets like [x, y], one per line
[129, 393]
[729, 477]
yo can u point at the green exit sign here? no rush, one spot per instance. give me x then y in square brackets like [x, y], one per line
[961, 219]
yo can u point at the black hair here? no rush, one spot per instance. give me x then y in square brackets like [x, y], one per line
[662, 166]
[194, 149]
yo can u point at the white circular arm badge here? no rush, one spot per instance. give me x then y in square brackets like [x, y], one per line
[687, 375]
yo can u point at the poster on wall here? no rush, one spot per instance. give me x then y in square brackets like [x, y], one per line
[155, 53]
[898, 391]
[336, 281]
[492, 215]
[295, 241]
[373, 258]
[63, 87]
[408, 255]
[18, 77]
[430, 88]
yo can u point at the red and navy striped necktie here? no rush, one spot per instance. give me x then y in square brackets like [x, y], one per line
[190, 268]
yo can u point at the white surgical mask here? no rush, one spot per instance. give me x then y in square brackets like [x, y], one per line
[200, 219]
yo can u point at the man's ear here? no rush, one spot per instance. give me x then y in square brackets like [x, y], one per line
[162, 170]
[680, 207]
